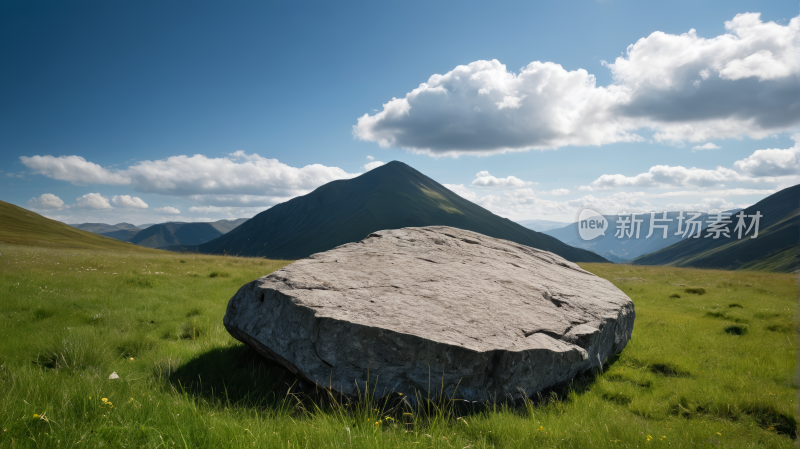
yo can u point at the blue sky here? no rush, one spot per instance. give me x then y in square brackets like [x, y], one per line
[152, 111]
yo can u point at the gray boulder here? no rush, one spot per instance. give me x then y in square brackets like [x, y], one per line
[417, 308]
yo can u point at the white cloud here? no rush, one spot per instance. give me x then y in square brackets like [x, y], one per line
[167, 210]
[462, 191]
[46, 201]
[127, 201]
[772, 162]
[761, 166]
[92, 201]
[374, 164]
[484, 179]
[683, 87]
[665, 175]
[74, 169]
[708, 146]
[239, 173]
[236, 174]
[370, 158]
[483, 108]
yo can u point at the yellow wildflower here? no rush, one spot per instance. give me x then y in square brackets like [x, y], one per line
[104, 399]
[35, 415]
[377, 423]
[649, 437]
[540, 428]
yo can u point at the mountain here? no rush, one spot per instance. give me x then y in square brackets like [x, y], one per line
[626, 248]
[102, 228]
[542, 225]
[22, 227]
[226, 226]
[175, 234]
[775, 248]
[388, 197]
[123, 234]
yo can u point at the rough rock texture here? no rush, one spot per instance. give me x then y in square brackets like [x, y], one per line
[415, 307]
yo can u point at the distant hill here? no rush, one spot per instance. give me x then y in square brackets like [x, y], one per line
[388, 197]
[775, 248]
[167, 234]
[627, 248]
[122, 234]
[542, 225]
[22, 227]
[170, 233]
[102, 228]
[226, 226]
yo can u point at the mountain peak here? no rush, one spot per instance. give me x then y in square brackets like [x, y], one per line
[392, 196]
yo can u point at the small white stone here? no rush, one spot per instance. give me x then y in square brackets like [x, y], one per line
[114, 375]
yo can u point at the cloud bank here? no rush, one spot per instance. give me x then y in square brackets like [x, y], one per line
[239, 178]
[682, 87]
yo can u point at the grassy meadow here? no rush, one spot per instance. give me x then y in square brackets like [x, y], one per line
[711, 364]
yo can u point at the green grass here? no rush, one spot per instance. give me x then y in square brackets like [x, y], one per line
[67, 321]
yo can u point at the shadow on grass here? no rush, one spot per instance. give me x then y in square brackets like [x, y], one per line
[234, 376]
[239, 376]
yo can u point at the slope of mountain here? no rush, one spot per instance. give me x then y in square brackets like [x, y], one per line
[388, 197]
[626, 248]
[775, 248]
[226, 226]
[175, 234]
[123, 234]
[22, 227]
[542, 225]
[102, 228]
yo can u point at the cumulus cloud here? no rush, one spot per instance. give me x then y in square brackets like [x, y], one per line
[683, 87]
[708, 146]
[129, 202]
[240, 173]
[167, 210]
[772, 162]
[74, 169]
[483, 108]
[462, 191]
[46, 201]
[374, 164]
[370, 158]
[484, 179]
[234, 175]
[665, 175]
[761, 166]
[92, 201]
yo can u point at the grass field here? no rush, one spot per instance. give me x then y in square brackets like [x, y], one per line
[711, 364]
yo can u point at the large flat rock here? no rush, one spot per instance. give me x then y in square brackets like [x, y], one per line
[413, 308]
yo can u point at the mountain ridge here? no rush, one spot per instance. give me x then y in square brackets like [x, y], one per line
[388, 197]
[775, 248]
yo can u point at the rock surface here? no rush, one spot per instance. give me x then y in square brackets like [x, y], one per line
[416, 308]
